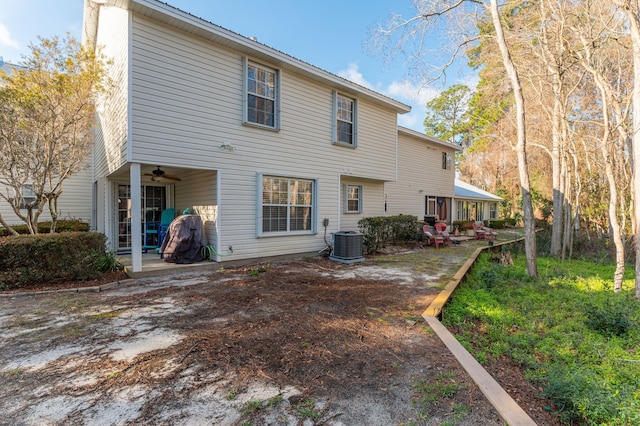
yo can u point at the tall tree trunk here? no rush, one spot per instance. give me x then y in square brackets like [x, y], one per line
[567, 211]
[614, 222]
[633, 12]
[521, 146]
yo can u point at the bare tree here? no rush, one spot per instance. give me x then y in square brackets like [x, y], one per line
[632, 11]
[469, 13]
[45, 119]
[521, 146]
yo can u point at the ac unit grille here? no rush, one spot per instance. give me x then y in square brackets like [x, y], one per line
[347, 245]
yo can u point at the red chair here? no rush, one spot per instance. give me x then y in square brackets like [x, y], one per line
[429, 238]
[478, 231]
[441, 233]
[482, 232]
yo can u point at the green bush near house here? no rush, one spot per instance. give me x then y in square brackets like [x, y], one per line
[378, 231]
[495, 223]
[27, 260]
[465, 225]
[66, 225]
[511, 221]
[571, 335]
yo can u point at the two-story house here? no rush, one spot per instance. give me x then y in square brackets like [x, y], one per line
[270, 150]
[426, 172]
[426, 186]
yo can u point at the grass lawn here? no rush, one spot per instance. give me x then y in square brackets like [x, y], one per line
[571, 335]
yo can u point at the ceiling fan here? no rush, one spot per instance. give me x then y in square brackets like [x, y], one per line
[158, 174]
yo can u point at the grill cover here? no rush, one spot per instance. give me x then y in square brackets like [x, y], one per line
[184, 240]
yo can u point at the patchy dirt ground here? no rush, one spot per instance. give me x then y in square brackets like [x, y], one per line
[300, 342]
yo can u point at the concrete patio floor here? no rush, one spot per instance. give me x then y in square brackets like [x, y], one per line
[153, 266]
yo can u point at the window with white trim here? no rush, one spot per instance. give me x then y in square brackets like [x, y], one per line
[493, 210]
[345, 120]
[470, 210]
[28, 196]
[354, 199]
[287, 204]
[430, 208]
[460, 212]
[446, 161]
[262, 91]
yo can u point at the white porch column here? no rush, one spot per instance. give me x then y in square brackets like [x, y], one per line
[136, 218]
[218, 213]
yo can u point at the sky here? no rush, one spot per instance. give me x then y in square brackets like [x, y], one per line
[330, 34]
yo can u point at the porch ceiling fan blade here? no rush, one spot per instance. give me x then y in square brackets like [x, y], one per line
[172, 177]
[158, 174]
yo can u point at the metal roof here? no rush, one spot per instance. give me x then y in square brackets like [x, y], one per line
[428, 138]
[466, 190]
[184, 21]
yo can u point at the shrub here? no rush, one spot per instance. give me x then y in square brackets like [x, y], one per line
[109, 262]
[378, 231]
[65, 225]
[573, 338]
[26, 260]
[495, 223]
[612, 316]
[510, 221]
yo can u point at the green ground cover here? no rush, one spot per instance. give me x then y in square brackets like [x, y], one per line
[571, 335]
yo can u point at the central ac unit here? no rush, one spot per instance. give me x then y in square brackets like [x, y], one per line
[347, 247]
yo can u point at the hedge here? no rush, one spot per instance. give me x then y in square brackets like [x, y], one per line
[26, 260]
[66, 225]
[378, 231]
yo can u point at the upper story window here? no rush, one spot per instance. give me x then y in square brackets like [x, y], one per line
[345, 120]
[446, 161]
[262, 91]
[354, 199]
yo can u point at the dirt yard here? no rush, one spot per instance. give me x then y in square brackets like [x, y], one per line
[307, 342]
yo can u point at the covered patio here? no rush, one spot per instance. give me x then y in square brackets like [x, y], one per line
[131, 202]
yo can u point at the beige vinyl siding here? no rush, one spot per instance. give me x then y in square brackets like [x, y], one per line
[112, 127]
[186, 101]
[372, 202]
[420, 174]
[201, 197]
[74, 202]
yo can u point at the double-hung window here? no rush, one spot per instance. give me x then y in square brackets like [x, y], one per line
[446, 161]
[430, 206]
[493, 210]
[345, 120]
[262, 94]
[287, 205]
[354, 199]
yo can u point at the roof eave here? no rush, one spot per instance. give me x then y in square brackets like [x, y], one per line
[428, 138]
[189, 23]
